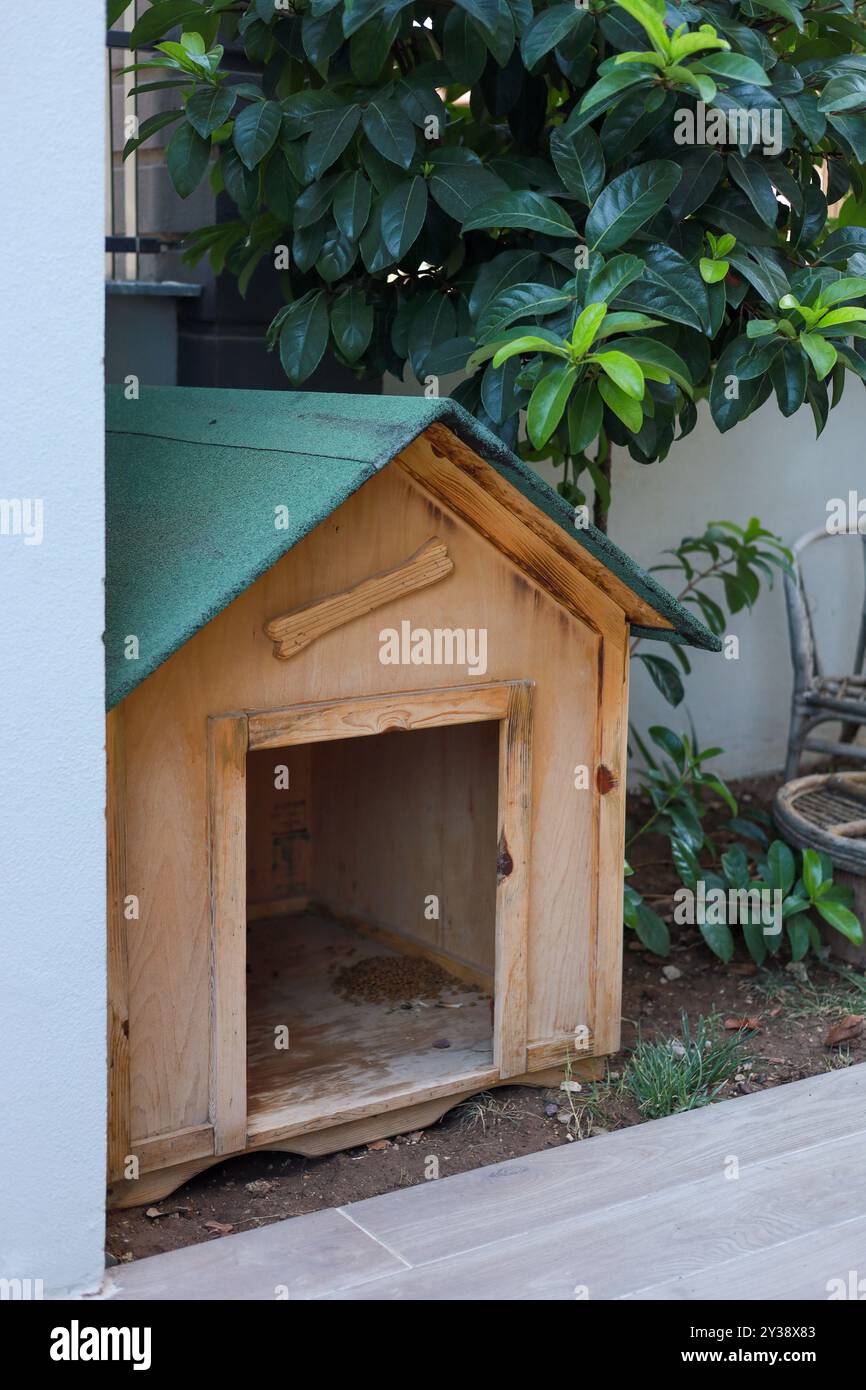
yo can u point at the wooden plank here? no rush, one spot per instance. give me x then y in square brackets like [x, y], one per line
[641, 1240]
[297, 1259]
[182, 1146]
[118, 968]
[227, 750]
[440, 1220]
[512, 892]
[307, 1042]
[815, 1266]
[297, 629]
[404, 833]
[453, 472]
[608, 792]
[227, 666]
[377, 714]
[555, 1051]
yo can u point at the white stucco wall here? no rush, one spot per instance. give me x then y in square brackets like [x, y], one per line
[52, 900]
[774, 469]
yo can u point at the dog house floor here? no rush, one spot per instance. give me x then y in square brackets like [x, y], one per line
[347, 1058]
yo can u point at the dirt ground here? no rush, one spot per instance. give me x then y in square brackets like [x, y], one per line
[791, 1010]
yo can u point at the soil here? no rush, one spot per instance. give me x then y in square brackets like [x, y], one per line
[393, 979]
[790, 1011]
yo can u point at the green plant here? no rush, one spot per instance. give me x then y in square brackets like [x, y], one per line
[683, 1073]
[726, 555]
[427, 179]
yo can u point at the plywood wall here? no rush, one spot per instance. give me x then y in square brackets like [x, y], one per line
[229, 666]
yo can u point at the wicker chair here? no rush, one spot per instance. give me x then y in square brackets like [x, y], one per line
[820, 699]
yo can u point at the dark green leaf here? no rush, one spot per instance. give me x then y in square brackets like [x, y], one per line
[584, 417]
[665, 677]
[532, 211]
[628, 202]
[160, 18]
[403, 213]
[186, 156]
[579, 161]
[465, 51]
[304, 337]
[352, 199]
[331, 134]
[788, 375]
[460, 181]
[352, 324]
[255, 130]
[209, 108]
[549, 29]
[391, 132]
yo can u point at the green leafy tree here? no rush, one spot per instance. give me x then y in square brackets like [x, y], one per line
[435, 180]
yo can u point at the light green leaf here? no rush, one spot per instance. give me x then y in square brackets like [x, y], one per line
[548, 401]
[586, 328]
[623, 370]
[820, 352]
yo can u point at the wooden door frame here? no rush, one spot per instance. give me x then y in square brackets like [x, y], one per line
[232, 736]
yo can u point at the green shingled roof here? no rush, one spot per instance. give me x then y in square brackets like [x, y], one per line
[194, 476]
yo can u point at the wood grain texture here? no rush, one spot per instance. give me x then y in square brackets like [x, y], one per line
[539, 546]
[297, 629]
[317, 1059]
[404, 836]
[227, 826]
[377, 714]
[512, 892]
[608, 794]
[118, 970]
[228, 667]
[664, 1159]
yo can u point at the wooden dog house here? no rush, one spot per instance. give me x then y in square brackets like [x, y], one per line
[367, 692]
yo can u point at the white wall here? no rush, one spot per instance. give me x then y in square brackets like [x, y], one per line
[774, 469]
[52, 900]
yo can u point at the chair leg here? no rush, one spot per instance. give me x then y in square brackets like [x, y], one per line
[796, 737]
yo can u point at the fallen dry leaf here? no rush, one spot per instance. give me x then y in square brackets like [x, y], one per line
[153, 1212]
[220, 1228]
[850, 1027]
[736, 1023]
[381, 1144]
[743, 967]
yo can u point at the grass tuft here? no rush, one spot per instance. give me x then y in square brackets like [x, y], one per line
[683, 1073]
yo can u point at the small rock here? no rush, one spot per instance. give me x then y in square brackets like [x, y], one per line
[110, 1260]
[259, 1188]
[564, 1116]
[441, 1042]
[154, 1212]
[677, 1048]
[551, 1109]
[797, 968]
[570, 1086]
[672, 972]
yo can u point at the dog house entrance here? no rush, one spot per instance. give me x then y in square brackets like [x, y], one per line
[384, 887]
